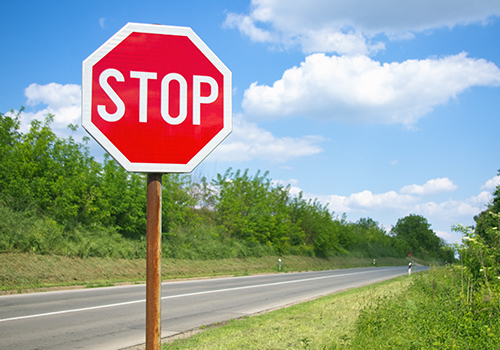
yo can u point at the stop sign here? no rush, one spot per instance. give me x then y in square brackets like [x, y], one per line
[156, 98]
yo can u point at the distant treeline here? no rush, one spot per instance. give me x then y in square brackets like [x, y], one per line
[56, 198]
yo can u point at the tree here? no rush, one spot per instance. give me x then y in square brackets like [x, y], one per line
[485, 221]
[320, 230]
[44, 174]
[123, 199]
[9, 140]
[416, 231]
[486, 235]
[251, 209]
[177, 202]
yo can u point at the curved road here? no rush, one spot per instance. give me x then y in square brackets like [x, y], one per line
[114, 317]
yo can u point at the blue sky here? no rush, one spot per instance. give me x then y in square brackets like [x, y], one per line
[378, 108]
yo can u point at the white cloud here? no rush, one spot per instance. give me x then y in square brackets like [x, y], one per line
[359, 89]
[248, 142]
[351, 43]
[63, 101]
[247, 27]
[54, 95]
[491, 184]
[481, 200]
[404, 204]
[433, 186]
[102, 22]
[448, 210]
[353, 21]
[367, 201]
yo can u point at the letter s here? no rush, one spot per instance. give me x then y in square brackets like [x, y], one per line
[120, 106]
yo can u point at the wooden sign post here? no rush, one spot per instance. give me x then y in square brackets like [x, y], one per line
[153, 264]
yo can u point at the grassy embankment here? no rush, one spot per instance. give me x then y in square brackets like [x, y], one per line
[21, 271]
[423, 311]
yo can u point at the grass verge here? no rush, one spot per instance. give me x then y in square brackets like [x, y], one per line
[23, 271]
[324, 323]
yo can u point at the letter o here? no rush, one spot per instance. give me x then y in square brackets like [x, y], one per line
[165, 113]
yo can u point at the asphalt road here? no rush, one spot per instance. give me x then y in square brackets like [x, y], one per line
[114, 317]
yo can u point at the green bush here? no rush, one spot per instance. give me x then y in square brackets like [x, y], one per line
[21, 232]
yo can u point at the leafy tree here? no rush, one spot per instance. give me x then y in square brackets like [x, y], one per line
[366, 237]
[123, 197]
[81, 200]
[9, 140]
[482, 243]
[45, 174]
[480, 259]
[251, 209]
[485, 221]
[316, 221]
[416, 231]
[177, 203]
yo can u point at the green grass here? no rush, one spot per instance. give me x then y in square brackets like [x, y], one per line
[23, 271]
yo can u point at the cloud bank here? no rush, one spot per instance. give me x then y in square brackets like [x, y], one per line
[349, 26]
[359, 89]
[433, 186]
[339, 80]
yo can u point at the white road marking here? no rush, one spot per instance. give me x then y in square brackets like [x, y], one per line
[176, 296]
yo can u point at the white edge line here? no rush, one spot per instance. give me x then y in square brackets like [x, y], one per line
[74, 310]
[177, 296]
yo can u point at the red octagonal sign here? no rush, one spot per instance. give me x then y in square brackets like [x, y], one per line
[156, 98]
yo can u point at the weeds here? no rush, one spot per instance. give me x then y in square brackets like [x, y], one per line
[432, 314]
[20, 232]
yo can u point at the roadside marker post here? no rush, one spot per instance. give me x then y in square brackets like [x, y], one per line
[158, 100]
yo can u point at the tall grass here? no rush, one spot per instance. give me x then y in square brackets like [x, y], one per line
[435, 313]
[22, 232]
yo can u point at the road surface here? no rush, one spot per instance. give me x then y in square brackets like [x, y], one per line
[114, 317]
